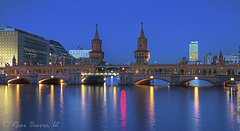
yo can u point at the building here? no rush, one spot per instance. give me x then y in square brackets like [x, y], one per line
[59, 55]
[239, 49]
[229, 59]
[79, 53]
[96, 55]
[142, 55]
[81, 56]
[193, 51]
[23, 46]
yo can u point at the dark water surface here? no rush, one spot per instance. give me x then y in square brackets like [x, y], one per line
[134, 108]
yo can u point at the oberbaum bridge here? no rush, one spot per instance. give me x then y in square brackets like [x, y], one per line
[140, 72]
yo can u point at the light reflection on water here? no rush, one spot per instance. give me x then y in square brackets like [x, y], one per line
[88, 107]
[196, 108]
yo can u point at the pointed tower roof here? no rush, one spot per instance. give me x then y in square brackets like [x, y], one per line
[96, 37]
[220, 54]
[142, 33]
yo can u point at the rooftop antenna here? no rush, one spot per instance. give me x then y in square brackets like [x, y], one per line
[79, 47]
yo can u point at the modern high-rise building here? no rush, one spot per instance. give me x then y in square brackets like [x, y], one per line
[23, 46]
[193, 51]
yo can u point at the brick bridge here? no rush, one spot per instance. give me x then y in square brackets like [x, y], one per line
[175, 79]
[71, 74]
[181, 73]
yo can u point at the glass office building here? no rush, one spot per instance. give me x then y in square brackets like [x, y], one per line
[58, 52]
[22, 45]
[193, 51]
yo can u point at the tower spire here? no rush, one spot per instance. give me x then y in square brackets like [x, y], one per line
[142, 33]
[96, 37]
[220, 54]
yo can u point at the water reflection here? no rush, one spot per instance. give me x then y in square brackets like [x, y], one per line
[52, 102]
[40, 97]
[196, 107]
[151, 108]
[115, 97]
[61, 101]
[123, 110]
[18, 102]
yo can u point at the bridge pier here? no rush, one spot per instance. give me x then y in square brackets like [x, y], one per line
[125, 79]
[2, 78]
[74, 78]
[34, 79]
[175, 80]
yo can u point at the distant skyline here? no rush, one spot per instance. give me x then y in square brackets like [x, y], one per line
[169, 26]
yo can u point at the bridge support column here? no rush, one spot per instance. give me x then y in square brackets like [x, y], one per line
[125, 79]
[34, 79]
[220, 79]
[175, 80]
[74, 78]
[2, 78]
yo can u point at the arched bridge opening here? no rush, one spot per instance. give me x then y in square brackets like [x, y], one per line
[91, 79]
[230, 82]
[18, 81]
[151, 81]
[197, 82]
[52, 81]
[200, 83]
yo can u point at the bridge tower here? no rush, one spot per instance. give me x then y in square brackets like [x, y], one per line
[96, 55]
[14, 63]
[142, 55]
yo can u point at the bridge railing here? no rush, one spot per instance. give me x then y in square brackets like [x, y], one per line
[36, 74]
[101, 74]
[183, 75]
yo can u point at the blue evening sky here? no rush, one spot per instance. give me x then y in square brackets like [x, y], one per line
[169, 25]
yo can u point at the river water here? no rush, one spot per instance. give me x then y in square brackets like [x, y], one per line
[113, 108]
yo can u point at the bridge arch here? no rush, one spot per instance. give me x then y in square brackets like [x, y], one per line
[238, 71]
[146, 80]
[52, 80]
[186, 81]
[18, 81]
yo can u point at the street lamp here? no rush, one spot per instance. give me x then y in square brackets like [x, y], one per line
[196, 78]
[151, 77]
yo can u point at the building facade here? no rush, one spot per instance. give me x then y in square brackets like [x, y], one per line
[79, 53]
[59, 55]
[23, 46]
[229, 59]
[142, 55]
[96, 55]
[193, 51]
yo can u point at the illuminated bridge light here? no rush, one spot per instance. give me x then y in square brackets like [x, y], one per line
[196, 78]
[232, 79]
[52, 76]
[151, 77]
[18, 77]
